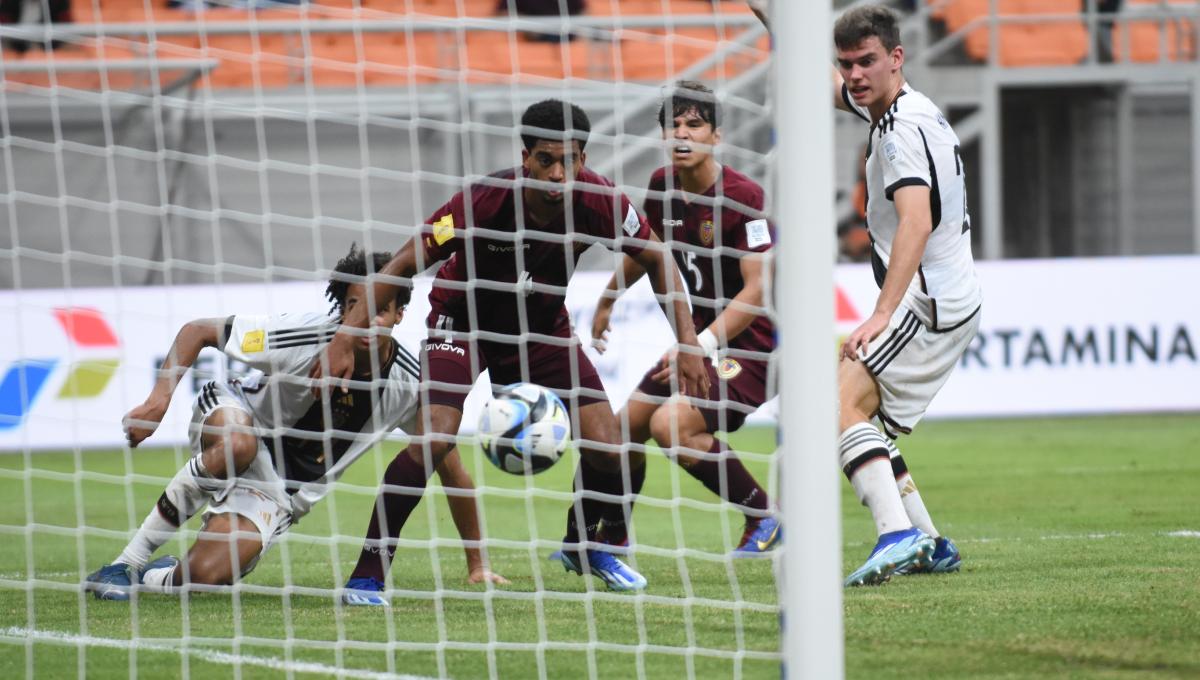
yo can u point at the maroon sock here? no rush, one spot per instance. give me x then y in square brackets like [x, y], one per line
[396, 505]
[618, 515]
[592, 510]
[741, 488]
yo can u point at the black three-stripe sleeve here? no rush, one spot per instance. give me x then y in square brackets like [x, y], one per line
[406, 361]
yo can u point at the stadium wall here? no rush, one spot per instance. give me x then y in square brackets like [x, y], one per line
[1057, 337]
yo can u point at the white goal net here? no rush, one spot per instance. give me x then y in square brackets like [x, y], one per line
[208, 160]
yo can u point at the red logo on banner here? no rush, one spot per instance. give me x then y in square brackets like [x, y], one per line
[845, 309]
[86, 327]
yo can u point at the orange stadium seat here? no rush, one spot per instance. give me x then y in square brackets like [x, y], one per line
[1035, 42]
[1144, 41]
[275, 60]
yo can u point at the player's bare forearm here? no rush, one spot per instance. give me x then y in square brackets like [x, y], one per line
[745, 307]
[628, 273]
[402, 265]
[465, 512]
[693, 376]
[661, 268]
[192, 337]
[912, 204]
[142, 420]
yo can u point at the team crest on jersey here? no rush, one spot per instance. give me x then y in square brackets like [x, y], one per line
[728, 369]
[706, 232]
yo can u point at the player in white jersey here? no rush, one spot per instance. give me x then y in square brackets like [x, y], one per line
[265, 449]
[927, 312]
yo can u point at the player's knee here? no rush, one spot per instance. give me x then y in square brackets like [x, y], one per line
[431, 452]
[210, 568]
[670, 428]
[243, 447]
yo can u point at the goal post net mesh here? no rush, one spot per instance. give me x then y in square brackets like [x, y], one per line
[160, 164]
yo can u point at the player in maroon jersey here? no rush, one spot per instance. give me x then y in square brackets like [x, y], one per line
[711, 216]
[507, 256]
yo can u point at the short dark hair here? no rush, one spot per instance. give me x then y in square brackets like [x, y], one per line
[550, 114]
[353, 269]
[860, 23]
[690, 95]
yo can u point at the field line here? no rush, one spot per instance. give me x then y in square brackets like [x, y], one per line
[17, 635]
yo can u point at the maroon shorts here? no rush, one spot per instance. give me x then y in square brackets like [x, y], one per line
[450, 365]
[736, 389]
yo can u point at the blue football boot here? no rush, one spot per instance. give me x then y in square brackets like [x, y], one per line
[895, 550]
[946, 559]
[760, 538]
[110, 582]
[364, 592]
[605, 566]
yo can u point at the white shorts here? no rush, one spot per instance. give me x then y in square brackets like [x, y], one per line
[911, 363]
[258, 494]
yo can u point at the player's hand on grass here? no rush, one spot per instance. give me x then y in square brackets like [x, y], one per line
[481, 575]
[857, 343]
[143, 420]
[334, 365]
[601, 324]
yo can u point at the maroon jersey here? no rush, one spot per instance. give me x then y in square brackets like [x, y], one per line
[707, 238]
[521, 250]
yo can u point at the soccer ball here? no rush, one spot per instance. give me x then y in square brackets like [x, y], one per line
[524, 428]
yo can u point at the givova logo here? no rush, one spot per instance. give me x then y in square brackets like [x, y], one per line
[25, 379]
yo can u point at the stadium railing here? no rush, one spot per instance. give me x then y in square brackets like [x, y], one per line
[1022, 33]
[384, 43]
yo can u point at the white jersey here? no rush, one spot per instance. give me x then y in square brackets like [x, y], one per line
[913, 145]
[309, 449]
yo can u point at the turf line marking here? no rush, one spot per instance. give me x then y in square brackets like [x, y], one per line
[14, 634]
[1184, 534]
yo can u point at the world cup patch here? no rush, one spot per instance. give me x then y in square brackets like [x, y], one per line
[706, 232]
[728, 369]
[443, 229]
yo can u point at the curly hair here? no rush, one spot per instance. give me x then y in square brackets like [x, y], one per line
[550, 114]
[352, 269]
[690, 95]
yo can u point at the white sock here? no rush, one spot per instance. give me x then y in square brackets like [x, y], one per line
[154, 532]
[188, 492]
[911, 497]
[865, 460]
[161, 580]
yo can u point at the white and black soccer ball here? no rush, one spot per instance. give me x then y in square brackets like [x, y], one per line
[524, 428]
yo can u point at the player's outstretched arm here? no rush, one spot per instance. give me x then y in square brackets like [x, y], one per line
[143, 420]
[337, 360]
[629, 272]
[660, 267]
[466, 517]
[916, 223]
[742, 311]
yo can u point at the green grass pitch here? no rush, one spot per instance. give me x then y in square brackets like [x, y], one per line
[1081, 541]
